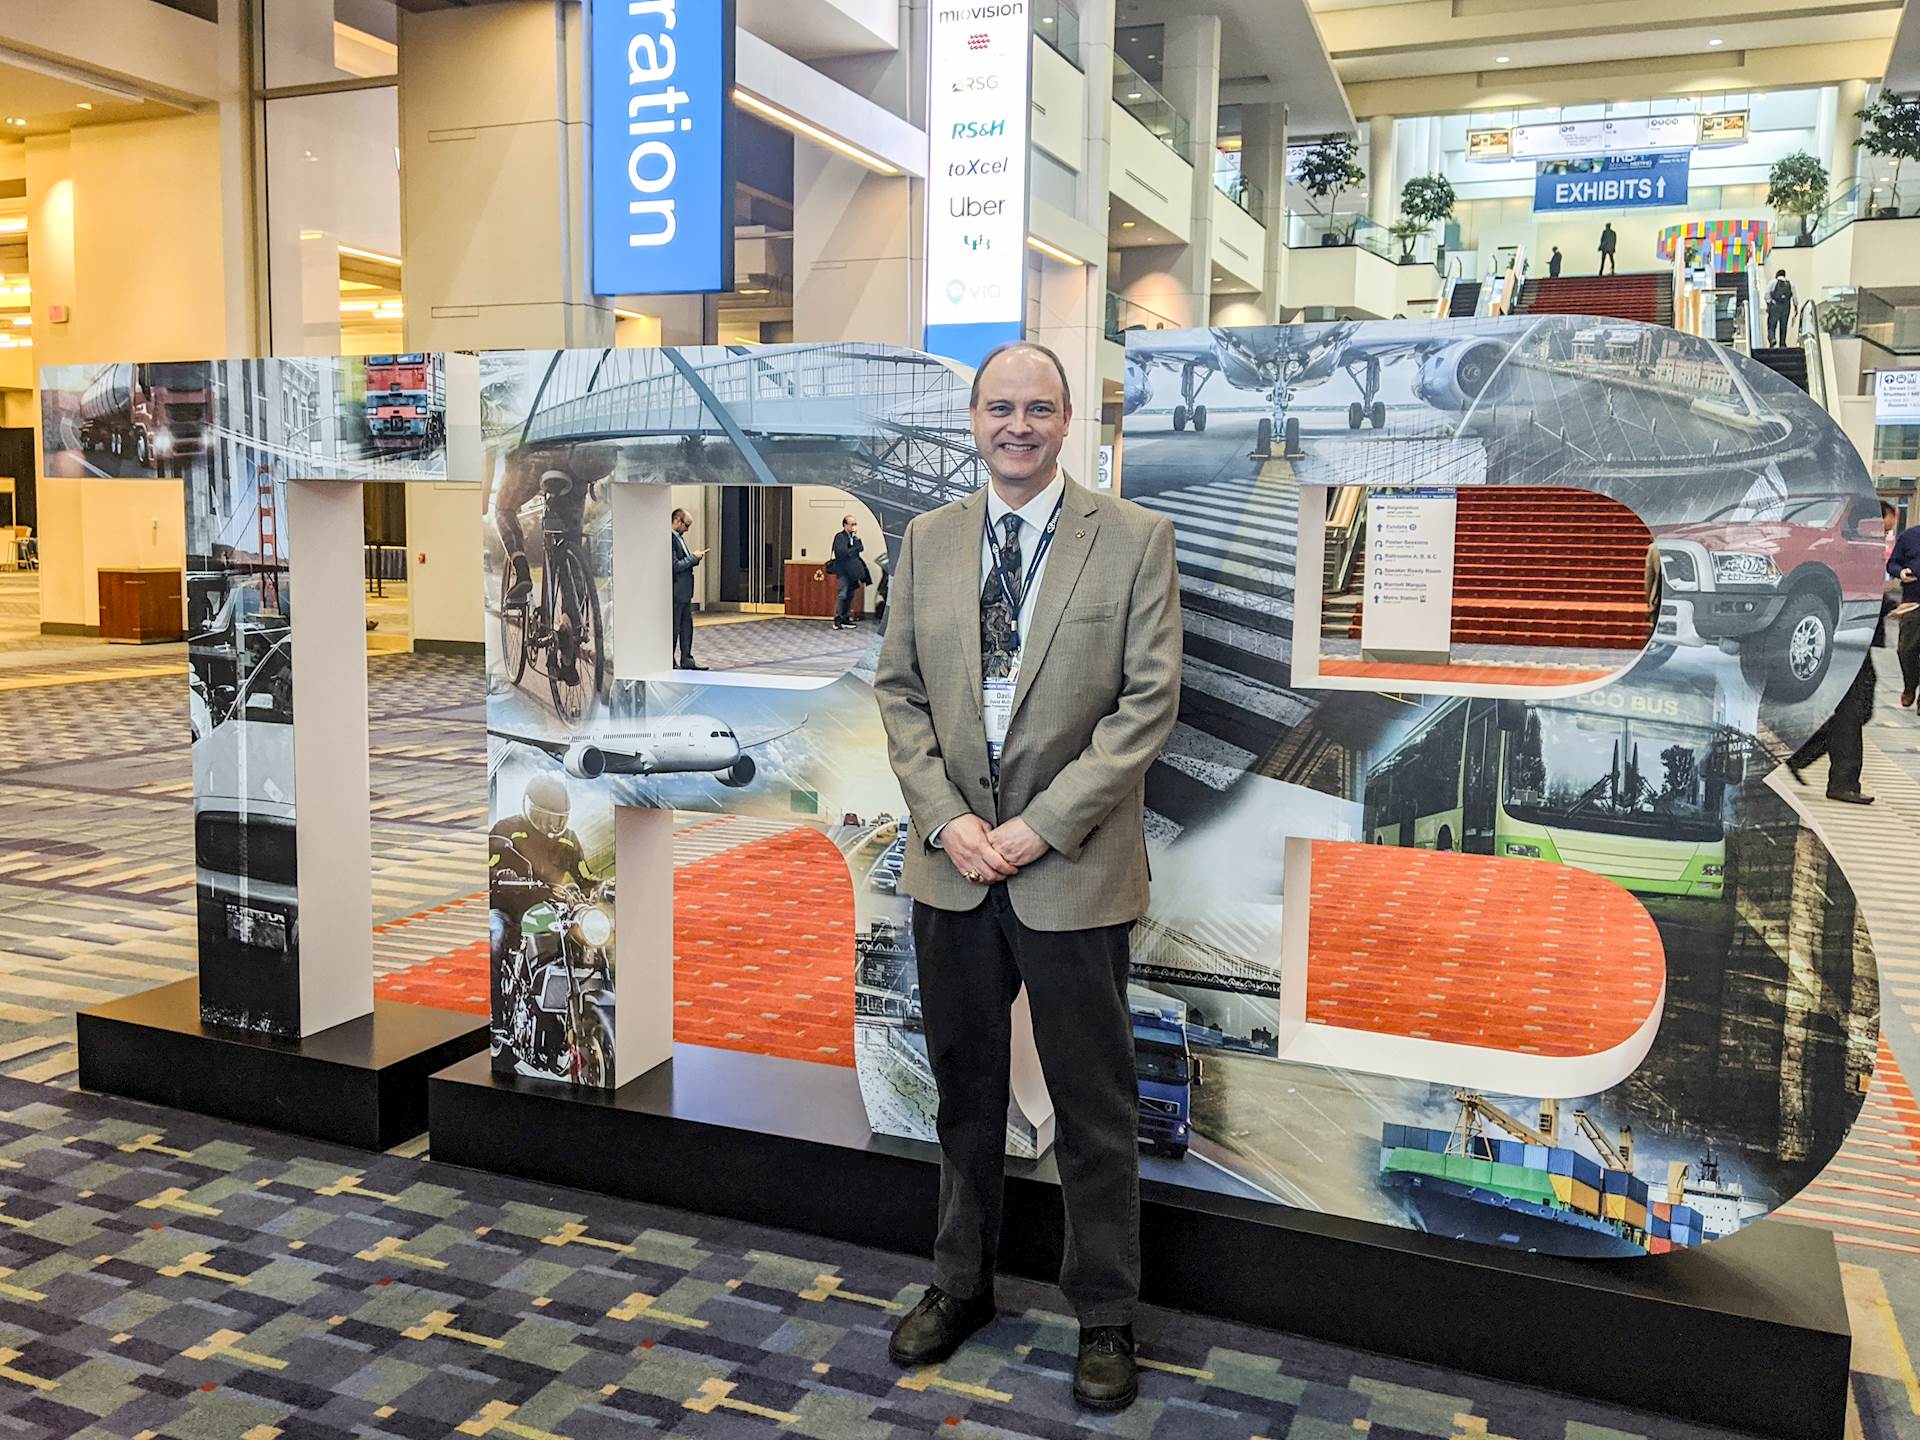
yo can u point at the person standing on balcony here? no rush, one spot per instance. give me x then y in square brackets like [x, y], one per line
[1608, 242]
[1554, 261]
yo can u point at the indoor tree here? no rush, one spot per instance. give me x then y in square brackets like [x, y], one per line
[1890, 128]
[1425, 201]
[1797, 186]
[1328, 170]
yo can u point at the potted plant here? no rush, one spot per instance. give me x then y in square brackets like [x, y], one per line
[1328, 170]
[1425, 201]
[1838, 317]
[1797, 185]
[1890, 128]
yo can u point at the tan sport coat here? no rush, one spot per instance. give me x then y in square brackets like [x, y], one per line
[1098, 691]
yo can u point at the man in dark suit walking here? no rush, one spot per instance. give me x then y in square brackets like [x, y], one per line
[849, 569]
[1608, 240]
[684, 560]
[1029, 677]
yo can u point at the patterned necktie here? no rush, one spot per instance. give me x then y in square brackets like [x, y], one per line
[996, 616]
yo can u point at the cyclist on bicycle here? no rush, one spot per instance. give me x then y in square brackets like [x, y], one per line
[565, 478]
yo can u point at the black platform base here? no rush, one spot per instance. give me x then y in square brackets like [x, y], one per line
[363, 1083]
[1749, 1333]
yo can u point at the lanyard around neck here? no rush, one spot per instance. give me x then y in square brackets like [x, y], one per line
[1016, 606]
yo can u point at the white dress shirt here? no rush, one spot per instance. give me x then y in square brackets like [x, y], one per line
[1033, 524]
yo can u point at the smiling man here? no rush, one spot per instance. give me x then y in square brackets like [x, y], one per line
[1029, 677]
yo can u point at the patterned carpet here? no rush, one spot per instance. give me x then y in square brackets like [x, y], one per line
[166, 1275]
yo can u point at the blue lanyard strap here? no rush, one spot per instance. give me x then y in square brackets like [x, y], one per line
[1018, 606]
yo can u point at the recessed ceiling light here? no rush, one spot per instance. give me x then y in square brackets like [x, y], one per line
[1501, 59]
[1133, 94]
[1127, 224]
[1716, 41]
[84, 105]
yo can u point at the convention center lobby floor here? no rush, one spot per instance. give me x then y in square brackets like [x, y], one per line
[166, 1275]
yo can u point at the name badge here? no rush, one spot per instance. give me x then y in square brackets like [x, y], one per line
[998, 697]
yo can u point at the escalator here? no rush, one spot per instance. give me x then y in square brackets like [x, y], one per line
[1789, 362]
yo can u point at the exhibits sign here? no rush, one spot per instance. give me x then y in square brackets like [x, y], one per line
[1611, 183]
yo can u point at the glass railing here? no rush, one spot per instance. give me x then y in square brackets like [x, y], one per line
[1861, 199]
[1892, 325]
[1059, 26]
[1811, 341]
[1133, 94]
[1308, 230]
[1124, 315]
[1242, 192]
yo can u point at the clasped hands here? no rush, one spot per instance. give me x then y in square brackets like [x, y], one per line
[984, 855]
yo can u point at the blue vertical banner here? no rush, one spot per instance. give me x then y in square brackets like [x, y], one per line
[660, 151]
[1612, 182]
[979, 84]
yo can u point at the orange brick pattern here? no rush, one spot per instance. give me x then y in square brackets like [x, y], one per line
[1463, 674]
[1507, 954]
[763, 953]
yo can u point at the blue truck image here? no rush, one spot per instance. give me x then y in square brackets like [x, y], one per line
[1167, 1068]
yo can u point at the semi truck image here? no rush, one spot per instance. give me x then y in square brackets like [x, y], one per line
[1167, 1069]
[155, 413]
[405, 401]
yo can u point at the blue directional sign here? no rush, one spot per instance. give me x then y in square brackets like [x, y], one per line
[1611, 182]
[661, 161]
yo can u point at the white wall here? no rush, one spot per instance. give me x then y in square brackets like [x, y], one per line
[1351, 275]
[1149, 176]
[1239, 242]
[1059, 100]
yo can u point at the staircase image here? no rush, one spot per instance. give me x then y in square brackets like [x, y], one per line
[1550, 568]
[1647, 297]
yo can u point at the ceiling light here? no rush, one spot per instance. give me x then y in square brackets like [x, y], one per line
[1127, 224]
[628, 314]
[1054, 251]
[84, 105]
[13, 224]
[753, 292]
[23, 321]
[1502, 59]
[1046, 19]
[1716, 41]
[362, 254]
[812, 132]
[1133, 94]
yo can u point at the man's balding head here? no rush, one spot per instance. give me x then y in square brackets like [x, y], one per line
[1016, 347]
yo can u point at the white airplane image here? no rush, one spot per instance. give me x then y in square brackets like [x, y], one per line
[673, 745]
[1278, 359]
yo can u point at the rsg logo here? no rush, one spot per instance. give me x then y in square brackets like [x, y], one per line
[978, 129]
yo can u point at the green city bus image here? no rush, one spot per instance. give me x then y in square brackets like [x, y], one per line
[1632, 786]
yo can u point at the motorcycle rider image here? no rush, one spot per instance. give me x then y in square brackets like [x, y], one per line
[552, 924]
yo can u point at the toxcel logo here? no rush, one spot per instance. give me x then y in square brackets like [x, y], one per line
[652, 163]
[986, 167]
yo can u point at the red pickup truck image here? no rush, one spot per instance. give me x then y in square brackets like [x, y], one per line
[1775, 597]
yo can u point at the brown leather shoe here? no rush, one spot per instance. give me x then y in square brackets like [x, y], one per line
[937, 1327]
[1106, 1377]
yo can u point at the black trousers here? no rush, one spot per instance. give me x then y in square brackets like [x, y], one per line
[1606, 263]
[972, 964]
[1907, 647]
[843, 602]
[683, 632]
[1777, 317]
[1842, 739]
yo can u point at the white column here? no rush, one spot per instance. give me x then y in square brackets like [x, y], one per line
[493, 232]
[1190, 80]
[1383, 191]
[1263, 161]
[1843, 161]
